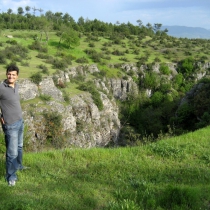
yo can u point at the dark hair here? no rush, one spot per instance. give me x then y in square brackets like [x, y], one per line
[12, 68]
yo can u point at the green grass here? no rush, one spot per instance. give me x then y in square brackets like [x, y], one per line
[169, 174]
[153, 47]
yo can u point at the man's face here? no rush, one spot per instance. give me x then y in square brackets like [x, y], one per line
[12, 77]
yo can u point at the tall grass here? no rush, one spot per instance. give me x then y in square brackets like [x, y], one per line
[169, 174]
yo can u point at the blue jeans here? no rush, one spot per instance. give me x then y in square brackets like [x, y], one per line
[14, 148]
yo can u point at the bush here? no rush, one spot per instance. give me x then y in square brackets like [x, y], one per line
[53, 129]
[2, 58]
[24, 63]
[157, 98]
[16, 52]
[91, 44]
[12, 42]
[186, 66]
[66, 97]
[36, 78]
[42, 56]
[45, 97]
[82, 60]
[90, 87]
[59, 64]
[44, 69]
[36, 45]
[164, 69]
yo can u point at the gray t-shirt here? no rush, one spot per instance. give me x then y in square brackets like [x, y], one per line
[10, 103]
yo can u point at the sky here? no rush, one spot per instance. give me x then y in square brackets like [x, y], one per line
[191, 13]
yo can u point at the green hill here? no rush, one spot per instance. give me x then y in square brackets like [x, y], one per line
[169, 174]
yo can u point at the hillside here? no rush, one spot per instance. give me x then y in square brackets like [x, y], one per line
[118, 72]
[169, 174]
[117, 82]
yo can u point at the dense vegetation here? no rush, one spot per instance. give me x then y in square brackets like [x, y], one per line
[55, 41]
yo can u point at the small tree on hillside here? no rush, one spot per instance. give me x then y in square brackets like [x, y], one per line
[186, 66]
[70, 37]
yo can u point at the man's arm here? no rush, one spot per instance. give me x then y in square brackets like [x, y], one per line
[2, 119]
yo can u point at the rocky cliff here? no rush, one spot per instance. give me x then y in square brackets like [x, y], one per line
[82, 121]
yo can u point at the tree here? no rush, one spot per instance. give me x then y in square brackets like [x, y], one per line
[9, 11]
[140, 23]
[66, 18]
[44, 27]
[157, 27]
[81, 21]
[49, 15]
[70, 38]
[157, 98]
[186, 66]
[34, 9]
[40, 10]
[151, 80]
[58, 16]
[149, 25]
[20, 10]
[27, 8]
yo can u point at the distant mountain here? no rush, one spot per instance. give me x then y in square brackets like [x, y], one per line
[187, 32]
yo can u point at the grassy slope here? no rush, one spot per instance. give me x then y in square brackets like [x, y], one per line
[151, 47]
[170, 174]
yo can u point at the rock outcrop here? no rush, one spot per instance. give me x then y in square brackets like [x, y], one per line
[85, 125]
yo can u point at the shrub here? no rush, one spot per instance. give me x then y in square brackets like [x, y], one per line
[24, 63]
[2, 58]
[42, 56]
[36, 78]
[91, 44]
[36, 45]
[68, 59]
[53, 129]
[118, 52]
[82, 60]
[186, 66]
[12, 42]
[45, 97]
[164, 69]
[66, 97]
[157, 98]
[44, 69]
[16, 52]
[60, 64]
[90, 87]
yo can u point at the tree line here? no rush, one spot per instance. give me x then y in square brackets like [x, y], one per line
[28, 19]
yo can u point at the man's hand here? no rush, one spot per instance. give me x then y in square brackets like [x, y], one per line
[2, 120]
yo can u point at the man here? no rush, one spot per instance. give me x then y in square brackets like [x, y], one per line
[12, 123]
